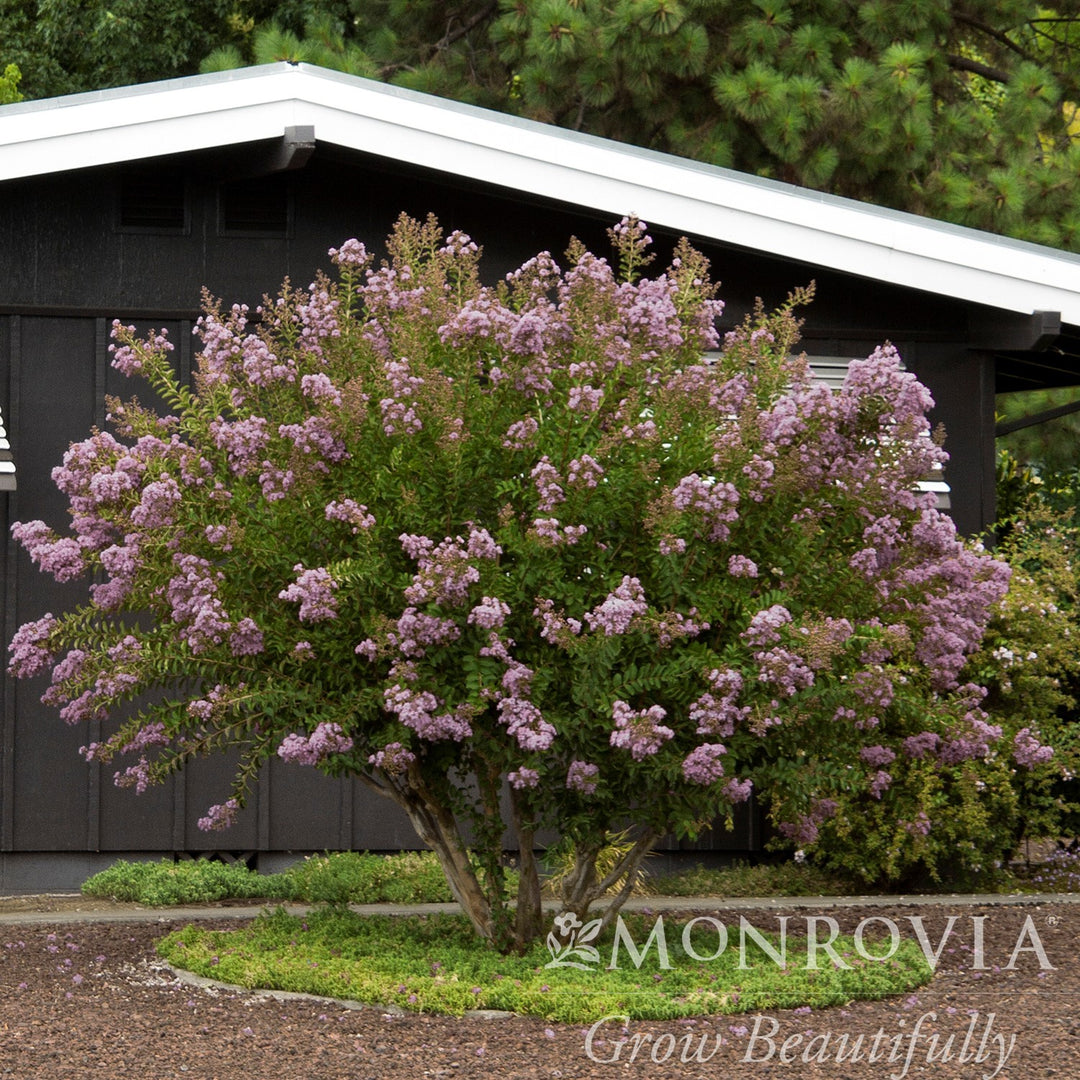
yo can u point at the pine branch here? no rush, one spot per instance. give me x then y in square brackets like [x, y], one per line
[451, 36]
[388, 71]
[1037, 27]
[998, 35]
[962, 63]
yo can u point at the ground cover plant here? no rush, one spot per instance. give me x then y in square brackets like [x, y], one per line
[745, 880]
[433, 964]
[521, 546]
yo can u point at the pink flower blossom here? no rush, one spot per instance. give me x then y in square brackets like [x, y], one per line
[326, 739]
[737, 791]
[350, 511]
[556, 628]
[489, 614]
[352, 254]
[741, 566]
[880, 783]
[220, 817]
[546, 479]
[523, 778]
[1028, 751]
[585, 399]
[765, 624]
[616, 614]
[157, 506]
[526, 723]
[702, 765]
[520, 434]
[28, 648]
[585, 472]
[550, 533]
[316, 439]
[246, 639]
[877, 755]
[415, 631]
[918, 746]
[716, 502]
[393, 758]
[640, 732]
[62, 557]
[313, 590]
[242, 440]
[785, 670]
[581, 777]
[419, 711]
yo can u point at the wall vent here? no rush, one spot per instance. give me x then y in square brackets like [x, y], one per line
[153, 201]
[255, 207]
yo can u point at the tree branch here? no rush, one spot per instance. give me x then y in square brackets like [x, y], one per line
[629, 862]
[962, 63]
[375, 785]
[388, 71]
[451, 36]
[998, 35]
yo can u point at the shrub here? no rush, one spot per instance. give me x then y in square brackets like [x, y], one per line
[347, 877]
[522, 546]
[164, 883]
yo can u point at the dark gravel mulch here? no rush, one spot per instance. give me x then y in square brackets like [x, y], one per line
[92, 1000]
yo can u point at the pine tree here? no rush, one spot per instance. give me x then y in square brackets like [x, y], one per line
[958, 111]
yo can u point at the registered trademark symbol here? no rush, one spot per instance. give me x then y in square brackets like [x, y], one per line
[1053, 920]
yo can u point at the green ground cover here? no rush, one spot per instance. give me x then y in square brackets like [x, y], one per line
[436, 964]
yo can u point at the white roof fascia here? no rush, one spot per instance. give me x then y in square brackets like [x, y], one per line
[259, 103]
[112, 126]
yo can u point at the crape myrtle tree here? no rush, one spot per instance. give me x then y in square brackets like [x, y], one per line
[522, 554]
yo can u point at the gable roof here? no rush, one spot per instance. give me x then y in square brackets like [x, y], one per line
[259, 103]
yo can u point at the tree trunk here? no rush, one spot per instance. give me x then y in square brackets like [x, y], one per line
[528, 924]
[582, 887]
[437, 827]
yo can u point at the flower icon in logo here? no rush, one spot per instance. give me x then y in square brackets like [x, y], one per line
[566, 922]
[569, 953]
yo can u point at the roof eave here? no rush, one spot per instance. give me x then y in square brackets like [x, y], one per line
[254, 104]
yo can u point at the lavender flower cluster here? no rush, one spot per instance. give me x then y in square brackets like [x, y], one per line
[312, 749]
[639, 731]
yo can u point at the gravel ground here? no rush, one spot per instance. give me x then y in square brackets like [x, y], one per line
[90, 999]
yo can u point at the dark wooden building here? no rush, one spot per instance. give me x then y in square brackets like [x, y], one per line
[123, 203]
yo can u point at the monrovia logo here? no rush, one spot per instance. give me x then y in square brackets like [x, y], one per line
[576, 948]
[705, 938]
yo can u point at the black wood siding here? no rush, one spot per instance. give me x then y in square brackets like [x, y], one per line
[69, 264]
